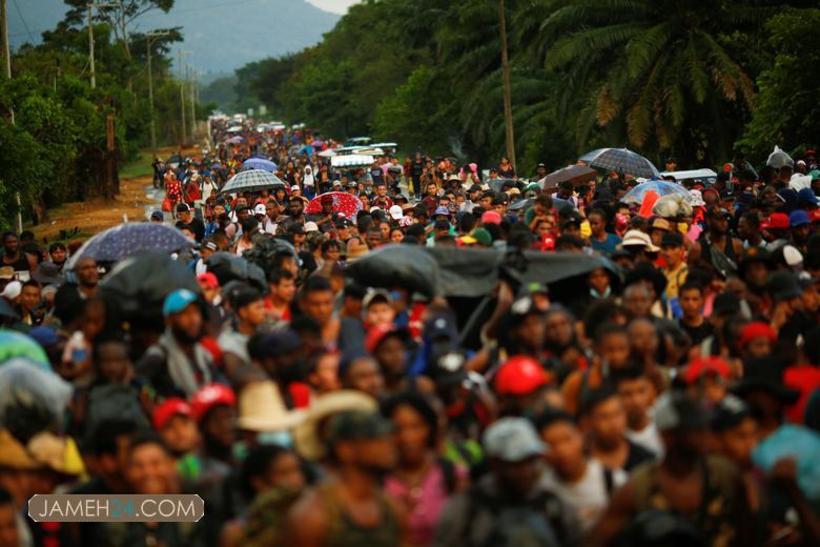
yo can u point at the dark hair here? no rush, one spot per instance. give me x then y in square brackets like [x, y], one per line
[32, 283]
[691, 286]
[421, 405]
[595, 397]
[752, 217]
[316, 283]
[608, 329]
[103, 438]
[54, 246]
[5, 497]
[633, 371]
[552, 416]
[256, 464]
[278, 274]
[147, 437]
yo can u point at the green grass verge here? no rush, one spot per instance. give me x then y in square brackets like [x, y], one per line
[140, 167]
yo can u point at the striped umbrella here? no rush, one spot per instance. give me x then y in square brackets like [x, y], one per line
[621, 160]
[251, 181]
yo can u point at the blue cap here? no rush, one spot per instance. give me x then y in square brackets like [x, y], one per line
[45, 336]
[178, 301]
[806, 195]
[799, 218]
[442, 211]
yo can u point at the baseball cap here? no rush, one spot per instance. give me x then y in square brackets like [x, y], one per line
[520, 375]
[442, 225]
[661, 224]
[490, 217]
[799, 218]
[277, 342]
[483, 237]
[806, 195]
[169, 408]
[376, 335]
[675, 410]
[357, 425]
[776, 221]
[207, 280]
[512, 440]
[243, 295]
[375, 295]
[728, 413]
[295, 188]
[183, 208]
[637, 238]
[396, 212]
[702, 366]
[756, 329]
[177, 301]
[442, 211]
[783, 286]
[311, 226]
[157, 215]
[259, 209]
[672, 239]
[210, 396]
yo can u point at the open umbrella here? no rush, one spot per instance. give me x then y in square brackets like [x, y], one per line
[573, 173]
[406, 266]
[16, 344]
[351, 160]
[137, 286]
[621, 160]
[251, 181]
[130, 239]
[660, 187]
[235, 140]
[344, 203]
[259, 163]
[230, 267]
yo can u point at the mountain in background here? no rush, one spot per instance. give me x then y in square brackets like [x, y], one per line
[222, 35]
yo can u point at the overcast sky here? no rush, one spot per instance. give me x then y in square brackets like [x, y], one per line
[336, 6]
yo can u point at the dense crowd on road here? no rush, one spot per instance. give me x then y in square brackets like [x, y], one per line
[317, 356]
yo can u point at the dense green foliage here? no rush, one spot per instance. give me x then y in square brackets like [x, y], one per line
[688, 78]
[56, 149]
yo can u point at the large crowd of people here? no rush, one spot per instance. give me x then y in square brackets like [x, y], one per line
[667, 396]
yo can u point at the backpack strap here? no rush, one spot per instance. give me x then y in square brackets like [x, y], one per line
[609, 481]
[448, 470]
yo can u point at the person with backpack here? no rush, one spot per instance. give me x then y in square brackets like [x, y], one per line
[422, 482]
[511, 505]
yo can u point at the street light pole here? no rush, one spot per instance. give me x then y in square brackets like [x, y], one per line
[183, 134]
[193, 103]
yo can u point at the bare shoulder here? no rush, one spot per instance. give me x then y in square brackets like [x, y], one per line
[307, 520]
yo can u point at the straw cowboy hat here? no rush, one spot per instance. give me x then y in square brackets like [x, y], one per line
[308, 436]
[44, 451]
[261, 409]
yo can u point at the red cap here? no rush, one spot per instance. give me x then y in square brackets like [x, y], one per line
[490, 217]
[705, 365]
[776, 221]
[375, 335]
[169, 408]
[520, 375]
[756, 329]
[210, 396]
[207, 280]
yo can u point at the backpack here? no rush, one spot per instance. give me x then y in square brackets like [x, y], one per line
[533, 523]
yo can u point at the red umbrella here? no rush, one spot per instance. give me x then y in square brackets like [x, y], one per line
[344, 203]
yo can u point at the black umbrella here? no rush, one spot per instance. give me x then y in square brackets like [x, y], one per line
[137, 286]
[574, 173]
[406, 266]
[230, 267]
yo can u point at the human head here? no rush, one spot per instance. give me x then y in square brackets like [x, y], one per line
[316, 299]
[690, 297]
[514, 450]
[361, 440]
[359, 371]
[249, 306]
[183, 316]
[173, 420]
[734, 430]
[107, 447]
[612, 345]
[564, 440]
[378, 309]
[87, 274]
[269, 466]
[604, 417]
[150, 467]
[637, 395]
[415, 426]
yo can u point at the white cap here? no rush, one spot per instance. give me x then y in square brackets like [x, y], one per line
[396, 212]
[259, 209]
[12, 290]
[294, 188]
[792, 256]
[311, 226]
[696, 198]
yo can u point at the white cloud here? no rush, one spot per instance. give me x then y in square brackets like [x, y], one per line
[336, 6]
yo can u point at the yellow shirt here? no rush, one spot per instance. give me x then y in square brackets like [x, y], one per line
[674, 279]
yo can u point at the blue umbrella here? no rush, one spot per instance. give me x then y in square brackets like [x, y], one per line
[660, 187]
[259, 163]
[622, 160]
[130, 239]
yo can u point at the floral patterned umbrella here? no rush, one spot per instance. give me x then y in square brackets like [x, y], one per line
[344, 203]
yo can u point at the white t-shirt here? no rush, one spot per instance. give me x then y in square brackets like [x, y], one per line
[588, 496]
[649, 437]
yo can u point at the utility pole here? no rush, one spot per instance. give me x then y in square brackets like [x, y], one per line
[183, 134]
[505, 72]
[149, 40]
[193, 73]
[91, 6]
[4, 27]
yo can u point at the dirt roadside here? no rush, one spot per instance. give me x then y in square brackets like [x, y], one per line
[85, 218]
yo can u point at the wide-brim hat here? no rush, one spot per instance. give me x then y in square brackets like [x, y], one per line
[307, 436]
[262, 409]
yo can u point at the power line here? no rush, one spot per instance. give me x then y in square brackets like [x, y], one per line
[23, 19]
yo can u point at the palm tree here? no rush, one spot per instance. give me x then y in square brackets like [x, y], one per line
[660, 72]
